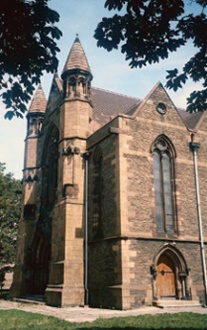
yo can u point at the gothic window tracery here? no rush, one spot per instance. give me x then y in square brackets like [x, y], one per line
[77, 86]
[35, 125]
[164, 184]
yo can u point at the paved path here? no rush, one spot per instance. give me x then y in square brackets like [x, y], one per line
[82, 314]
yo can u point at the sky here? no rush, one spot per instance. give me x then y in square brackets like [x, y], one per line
[110, 71]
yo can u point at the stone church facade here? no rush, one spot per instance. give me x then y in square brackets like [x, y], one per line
[114, 208]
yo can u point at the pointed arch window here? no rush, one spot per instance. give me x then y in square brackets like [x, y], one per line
[164, 184]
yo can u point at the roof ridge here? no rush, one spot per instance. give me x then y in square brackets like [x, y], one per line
[117, 93]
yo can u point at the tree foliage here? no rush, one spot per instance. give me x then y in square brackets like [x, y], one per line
[28, 36]
[149, 30]
[10, 199]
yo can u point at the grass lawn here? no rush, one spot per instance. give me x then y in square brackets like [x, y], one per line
[15, 319]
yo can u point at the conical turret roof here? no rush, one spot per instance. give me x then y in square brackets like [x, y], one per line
[39, 101]
[76, 58]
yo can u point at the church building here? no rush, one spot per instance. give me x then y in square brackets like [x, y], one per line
[114, 197]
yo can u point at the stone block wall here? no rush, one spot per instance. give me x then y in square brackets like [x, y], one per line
[138, 224]
[108, 185]
[142, 254]
[105, 274]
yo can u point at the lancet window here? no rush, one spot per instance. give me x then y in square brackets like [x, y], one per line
[164, 184]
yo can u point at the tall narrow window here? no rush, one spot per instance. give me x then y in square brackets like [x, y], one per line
[164, 184]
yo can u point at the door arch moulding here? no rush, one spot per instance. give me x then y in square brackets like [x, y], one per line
[170, 275]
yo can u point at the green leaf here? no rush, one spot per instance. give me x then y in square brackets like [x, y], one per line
[149, 30]
[10, 203]
[9, 115]
[27, 48]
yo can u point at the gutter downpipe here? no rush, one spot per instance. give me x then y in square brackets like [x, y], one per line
[194, 146]
[86, 157]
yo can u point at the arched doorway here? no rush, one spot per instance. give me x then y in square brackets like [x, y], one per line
[166, 277]
[38, 264]
[170, 275]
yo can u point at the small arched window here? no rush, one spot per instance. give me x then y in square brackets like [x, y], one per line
[72, 86]
[82, 85]
[164, 184]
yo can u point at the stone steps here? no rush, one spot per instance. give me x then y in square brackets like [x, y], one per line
[173, 303]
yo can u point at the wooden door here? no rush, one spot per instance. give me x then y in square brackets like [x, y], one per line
[165, 280]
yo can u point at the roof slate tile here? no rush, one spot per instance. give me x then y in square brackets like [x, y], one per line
[76, 58]
[39, 101]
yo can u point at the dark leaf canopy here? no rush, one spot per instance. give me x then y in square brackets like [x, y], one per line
[10, 202]
[149, 30]
[28, 46]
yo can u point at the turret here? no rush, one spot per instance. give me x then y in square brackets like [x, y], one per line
[35, 119]
[30, 195]
[66, 285]
[76, 109]
[76, 74]
[36, 113]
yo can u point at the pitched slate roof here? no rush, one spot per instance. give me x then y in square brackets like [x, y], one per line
[76, 58]
[39, 101]
[108, 105]
[191, 119]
